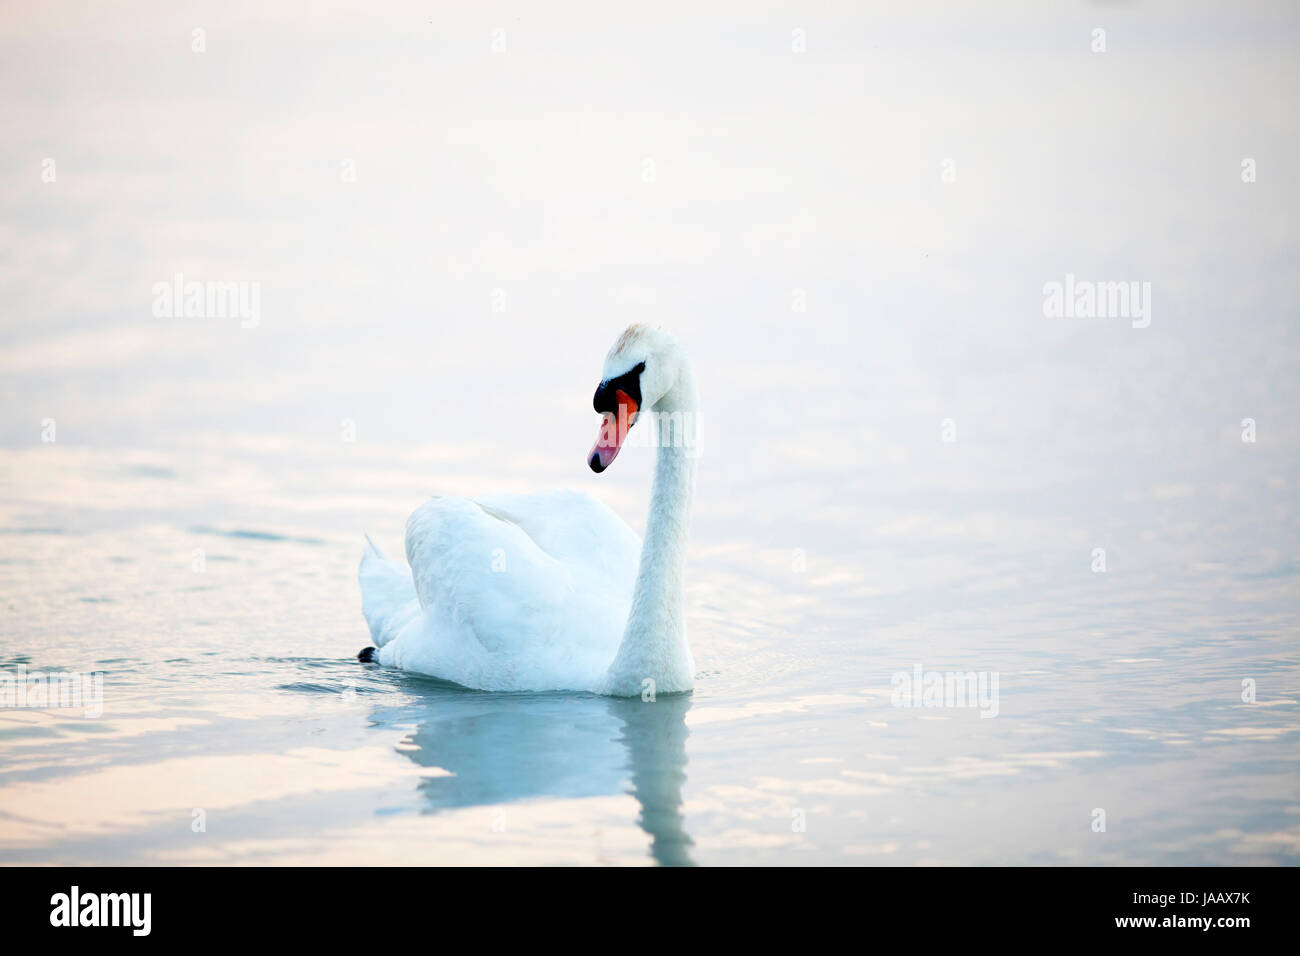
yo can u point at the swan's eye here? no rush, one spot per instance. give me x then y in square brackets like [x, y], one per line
[629, 383]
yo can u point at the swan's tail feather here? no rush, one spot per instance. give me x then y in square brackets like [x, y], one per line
[388, 598]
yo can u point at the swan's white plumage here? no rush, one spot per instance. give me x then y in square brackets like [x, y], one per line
[553, 591]
[505, 592]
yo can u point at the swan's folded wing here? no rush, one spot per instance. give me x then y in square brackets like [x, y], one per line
[481, 576]
[576, 529]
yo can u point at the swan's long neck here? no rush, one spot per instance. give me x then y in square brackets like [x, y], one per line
[654, 646]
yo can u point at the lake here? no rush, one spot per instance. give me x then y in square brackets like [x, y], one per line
[972, 579]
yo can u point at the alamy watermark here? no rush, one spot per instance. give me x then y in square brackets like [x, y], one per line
[40, 691]
[657, 430]
[1085, 299]
[179, 299]
[130, 910]
[922, 688]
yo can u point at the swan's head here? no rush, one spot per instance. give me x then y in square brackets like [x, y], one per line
[641, 368]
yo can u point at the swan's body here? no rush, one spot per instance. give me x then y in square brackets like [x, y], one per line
[553, 591]
[505, 592]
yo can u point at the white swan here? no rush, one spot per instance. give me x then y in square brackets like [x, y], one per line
[544, 591]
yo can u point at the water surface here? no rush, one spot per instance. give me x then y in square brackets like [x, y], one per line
[906, 463]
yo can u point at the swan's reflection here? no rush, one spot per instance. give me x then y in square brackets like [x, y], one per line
[655, 737]
[507, 747]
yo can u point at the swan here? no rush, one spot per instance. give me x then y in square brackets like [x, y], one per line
[552, 590]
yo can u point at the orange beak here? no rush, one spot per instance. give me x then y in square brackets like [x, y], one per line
[612, 432]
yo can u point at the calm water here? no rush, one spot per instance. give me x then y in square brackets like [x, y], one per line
[193, 528]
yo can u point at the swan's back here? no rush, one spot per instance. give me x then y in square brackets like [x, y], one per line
[505, 592]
